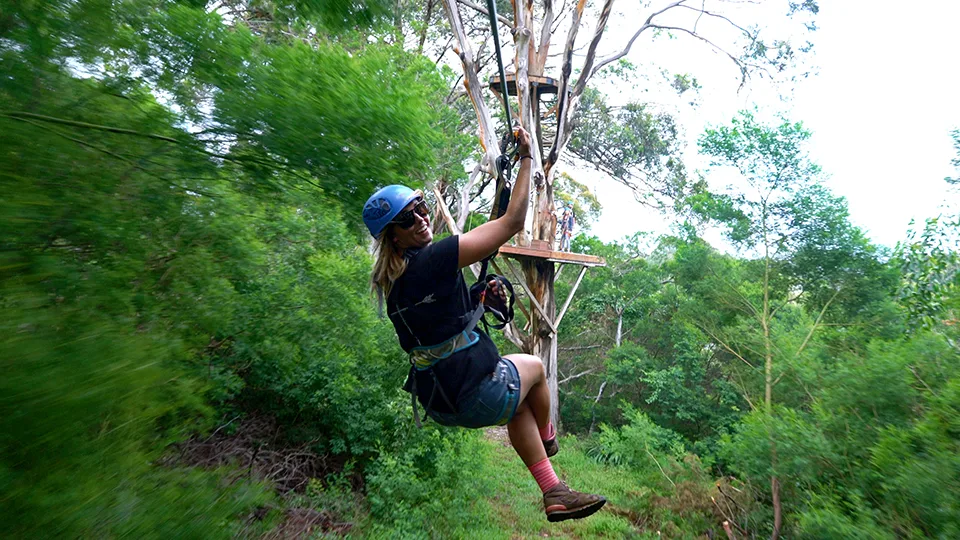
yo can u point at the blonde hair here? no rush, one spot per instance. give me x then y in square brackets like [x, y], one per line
[387, 268]
[389, 264]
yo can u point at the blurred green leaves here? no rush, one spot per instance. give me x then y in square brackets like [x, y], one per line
[181, 242]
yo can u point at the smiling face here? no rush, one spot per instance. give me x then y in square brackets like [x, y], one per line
[418, 234]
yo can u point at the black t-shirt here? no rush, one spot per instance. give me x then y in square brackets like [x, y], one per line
[430, 304]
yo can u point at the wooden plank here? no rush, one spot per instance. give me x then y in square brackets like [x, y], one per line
[520, 253]
[544, 85]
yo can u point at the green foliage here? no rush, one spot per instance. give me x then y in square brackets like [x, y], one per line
[919, 463]
[840, 519]
[929, 261]
[427, 485]
[330, 14]
[95, 385]
[586, 206]
[637, 443]
[773, 163]
[172, 260]
[955, 134]
[831, 260]
[634, 144]
[182, 245]
[803, 452]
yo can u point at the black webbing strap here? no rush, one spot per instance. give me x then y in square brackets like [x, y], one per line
[492, 13]
[471, 325]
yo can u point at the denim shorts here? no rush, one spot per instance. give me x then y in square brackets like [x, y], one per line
[492, 403]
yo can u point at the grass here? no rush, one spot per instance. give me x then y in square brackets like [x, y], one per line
[517, 507]
[500, 500]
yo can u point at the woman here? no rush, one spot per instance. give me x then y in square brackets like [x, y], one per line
[458, 375]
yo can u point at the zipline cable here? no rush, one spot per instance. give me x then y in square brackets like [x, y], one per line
[492, 13]
[504, 162]
[502, 311]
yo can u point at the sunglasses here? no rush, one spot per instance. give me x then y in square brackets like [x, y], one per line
[407, 218]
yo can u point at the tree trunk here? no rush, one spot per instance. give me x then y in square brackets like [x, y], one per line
[543, 342]
[777, 512]
[765, 321]
[619, 328]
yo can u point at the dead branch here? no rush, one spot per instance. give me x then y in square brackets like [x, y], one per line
[728, 530]
[503, 20]
[664, 473]
[464, 210]
[647, 24]
[578, 375]
[487, 136]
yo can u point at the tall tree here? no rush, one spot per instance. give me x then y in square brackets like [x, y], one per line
[766, 216]
[930, 264]
[533, 29]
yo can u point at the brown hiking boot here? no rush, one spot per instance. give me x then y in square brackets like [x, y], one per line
[561, 503]
[551, 447]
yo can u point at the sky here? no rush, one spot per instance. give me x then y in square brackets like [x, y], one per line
[881, 105]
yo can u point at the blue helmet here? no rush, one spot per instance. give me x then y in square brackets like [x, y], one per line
[384, 205]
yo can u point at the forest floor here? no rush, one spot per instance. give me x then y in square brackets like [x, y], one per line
[518, 508]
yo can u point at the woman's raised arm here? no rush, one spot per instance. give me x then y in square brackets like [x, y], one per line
[487, 238]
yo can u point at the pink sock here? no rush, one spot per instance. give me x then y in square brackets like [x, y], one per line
[547, 433]
[542, 472]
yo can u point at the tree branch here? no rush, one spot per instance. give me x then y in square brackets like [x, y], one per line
[20, 115]
[816, 324]
[647, 24]
[581, 348]
[578, 375]
[735, 60]
[587, 70]
[487, 136]
[563, 97]
[481, 9]
[727, 347]
[702, 11]
[545, 34]
[464, 209]
[786, 302]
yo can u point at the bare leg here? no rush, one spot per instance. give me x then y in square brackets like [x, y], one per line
[533, 386]
[525, 437]
[533, 412]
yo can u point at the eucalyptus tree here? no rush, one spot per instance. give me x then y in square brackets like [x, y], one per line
[800, 250]
[650, 156]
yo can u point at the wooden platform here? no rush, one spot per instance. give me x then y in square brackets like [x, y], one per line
[520, 253]
[542, 85]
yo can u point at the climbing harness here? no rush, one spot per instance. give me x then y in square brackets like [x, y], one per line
[424, 358]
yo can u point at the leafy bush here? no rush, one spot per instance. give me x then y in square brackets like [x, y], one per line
[829, 519]
[638, 443]
[429, 485]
